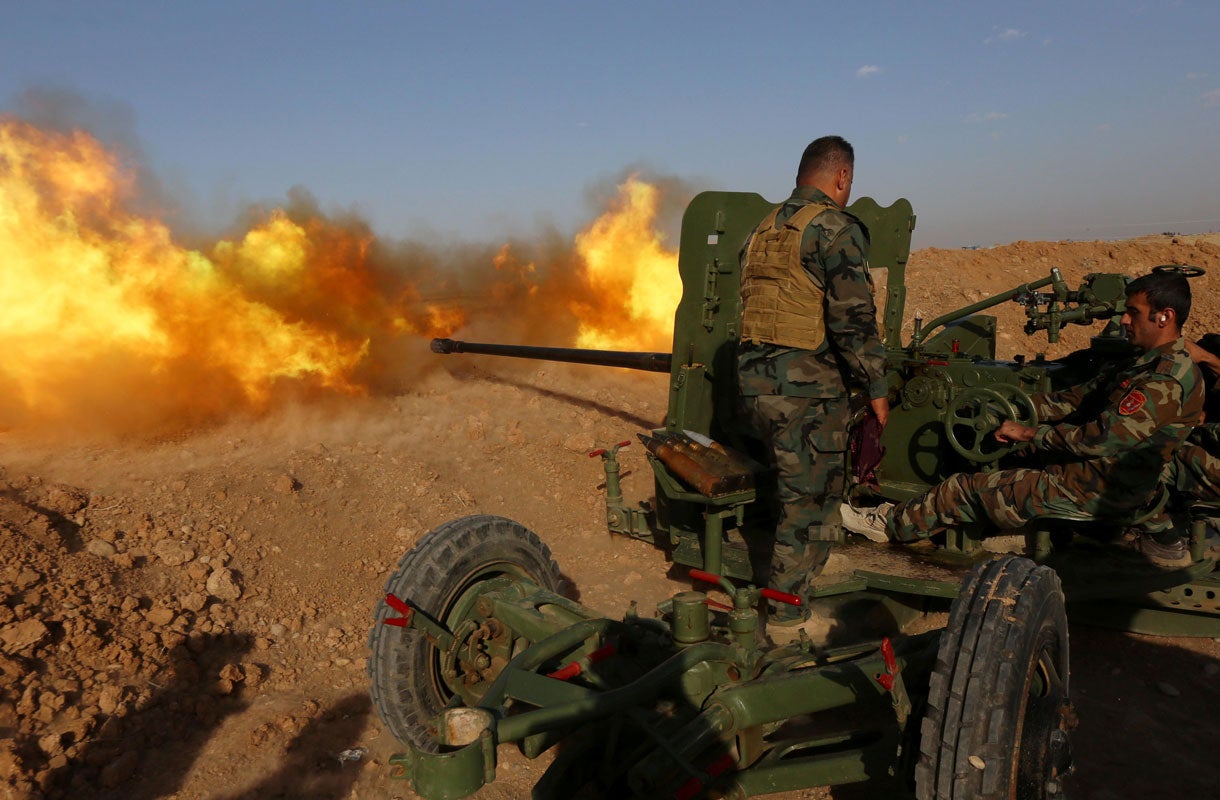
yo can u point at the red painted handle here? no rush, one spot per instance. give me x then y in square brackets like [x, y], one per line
[891, 665]
[601, 451]
[770, 594]
[781, 597]
[402, 608]
[574, 668]
[691, 789]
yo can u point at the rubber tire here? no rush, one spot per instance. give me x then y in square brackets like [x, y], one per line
[1007, 624]
[405, 680]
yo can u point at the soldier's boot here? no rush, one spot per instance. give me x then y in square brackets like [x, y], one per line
[1167, 549]
[788, 630]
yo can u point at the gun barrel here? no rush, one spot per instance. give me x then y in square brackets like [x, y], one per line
[647, 362]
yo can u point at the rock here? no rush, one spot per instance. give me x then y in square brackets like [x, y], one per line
[171, 639]
[579, 443]
[160, 616]
[52, 744]
[195, 601]
[110, 698]
[286, 484]
[232, 672]
[222, 584]
[254, 674]
[173, 553]
[28, 577]
[23, 635]
[100, 547]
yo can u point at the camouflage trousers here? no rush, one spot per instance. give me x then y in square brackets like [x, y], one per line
[1003, 500]
[807, 438]
[1195, 471]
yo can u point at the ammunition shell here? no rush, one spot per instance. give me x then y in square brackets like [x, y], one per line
[689, 470]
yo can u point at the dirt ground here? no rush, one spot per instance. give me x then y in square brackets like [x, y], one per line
[186, 618]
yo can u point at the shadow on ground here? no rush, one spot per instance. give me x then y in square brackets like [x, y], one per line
[311, 769]
[147, 753]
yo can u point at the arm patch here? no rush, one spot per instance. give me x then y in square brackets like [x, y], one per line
[1132, 401]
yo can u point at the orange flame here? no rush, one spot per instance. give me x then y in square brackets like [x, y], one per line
[108, 318]
[93, 292]
[632, 274]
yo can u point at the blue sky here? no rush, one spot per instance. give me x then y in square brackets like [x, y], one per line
[1000, 121]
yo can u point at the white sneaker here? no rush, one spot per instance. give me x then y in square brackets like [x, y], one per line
[867, 522]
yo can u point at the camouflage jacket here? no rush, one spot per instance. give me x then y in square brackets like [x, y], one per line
[1113, 434]
[852, 357]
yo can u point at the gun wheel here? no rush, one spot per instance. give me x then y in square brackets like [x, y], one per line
[998, 708]
[972, 416]
[441, 576]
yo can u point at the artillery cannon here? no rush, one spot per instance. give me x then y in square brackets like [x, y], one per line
[692, 701]
[948, 391]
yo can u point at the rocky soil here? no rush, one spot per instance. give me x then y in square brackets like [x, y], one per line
[187, 617]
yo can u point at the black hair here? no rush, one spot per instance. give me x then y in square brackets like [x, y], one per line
[1164, 290]
[828, 152]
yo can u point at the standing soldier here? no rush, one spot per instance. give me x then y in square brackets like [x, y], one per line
[1108, 438]
[808, 334]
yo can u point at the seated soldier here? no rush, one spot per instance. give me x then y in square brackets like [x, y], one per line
[1194, 471]
[1109, 438]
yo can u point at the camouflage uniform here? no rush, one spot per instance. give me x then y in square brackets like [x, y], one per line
[1113, 435]
[1194, 469]
[798, 398]
[1195, 466]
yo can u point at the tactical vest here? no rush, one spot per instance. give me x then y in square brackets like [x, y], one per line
[780, 302]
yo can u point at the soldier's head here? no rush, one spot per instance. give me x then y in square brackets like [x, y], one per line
[829, 164]
[1158, 305]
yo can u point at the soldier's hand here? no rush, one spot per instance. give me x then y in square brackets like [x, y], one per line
[1011, 432]
[881, 408]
